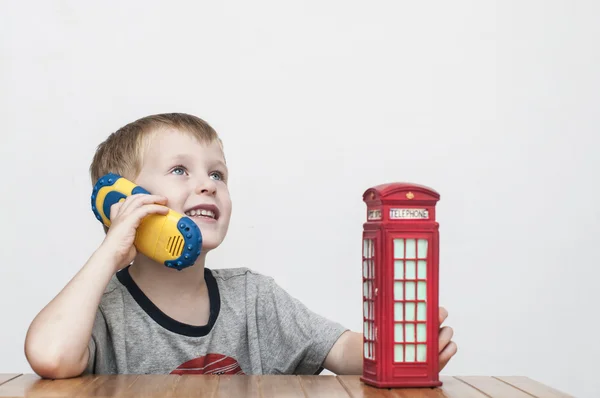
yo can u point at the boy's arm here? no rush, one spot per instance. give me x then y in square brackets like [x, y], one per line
[57, 339]
[346, 355]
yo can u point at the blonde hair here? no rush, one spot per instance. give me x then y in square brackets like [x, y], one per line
[122, 152]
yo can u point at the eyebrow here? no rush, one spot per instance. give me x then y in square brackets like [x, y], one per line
[185, 157]
[221, 163]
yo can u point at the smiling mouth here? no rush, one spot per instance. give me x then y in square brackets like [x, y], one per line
[201, 213]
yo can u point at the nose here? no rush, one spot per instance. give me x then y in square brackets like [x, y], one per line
[206, 186]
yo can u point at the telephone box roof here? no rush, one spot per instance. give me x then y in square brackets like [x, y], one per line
[400, 191]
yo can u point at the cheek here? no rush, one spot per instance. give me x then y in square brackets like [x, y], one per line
[229, 206]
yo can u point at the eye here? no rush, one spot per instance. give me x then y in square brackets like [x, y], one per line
[178, 170]
[217, 175]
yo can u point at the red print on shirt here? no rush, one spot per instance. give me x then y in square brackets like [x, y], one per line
[211, 364]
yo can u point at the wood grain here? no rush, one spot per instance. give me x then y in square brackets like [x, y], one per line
[281, 386]
[420, 393]
[323, 386]
[8, 376]
[212, 386]
[198, 386]
[17, 387]
[108, 386]
[152, 386]
[59, 388]
[238, 386]
[533, 387]
[493, 387]
[454, 388]
[357, 389]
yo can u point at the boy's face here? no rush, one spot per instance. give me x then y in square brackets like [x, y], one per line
[193, 177]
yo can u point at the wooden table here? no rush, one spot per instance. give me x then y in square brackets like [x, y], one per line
[29, 385]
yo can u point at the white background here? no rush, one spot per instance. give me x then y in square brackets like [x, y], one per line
[493, 104]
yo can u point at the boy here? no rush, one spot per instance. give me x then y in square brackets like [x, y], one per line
[125, 313]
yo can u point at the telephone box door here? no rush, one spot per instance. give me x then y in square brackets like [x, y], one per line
[411, 280]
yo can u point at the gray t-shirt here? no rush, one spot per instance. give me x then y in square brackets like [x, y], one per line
[255, 327]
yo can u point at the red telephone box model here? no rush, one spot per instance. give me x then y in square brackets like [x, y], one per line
[400, 287]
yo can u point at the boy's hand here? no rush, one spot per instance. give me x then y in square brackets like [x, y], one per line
[447, 347]
[346, 356]
[125, 217]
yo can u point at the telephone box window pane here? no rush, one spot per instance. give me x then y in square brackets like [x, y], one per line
[410, 332]
[365, 293]
[372, 268]
[421, 353]
[422, 248]
[398, 313]
[398, 291]
[421, 312]
[370, 289]
[365, 248]
[422, 269]
[366, 330]
[372, 312]
[398, 353]
[398, 269]
[399, 333]
[410, 311]
[366, 309]
[366, 350]
[411, 270]
[371, 244]
[365, 269]
[410, 248]
[421, 333]
[410, 290]
[410, 353]
[421, 291]
[398, 248]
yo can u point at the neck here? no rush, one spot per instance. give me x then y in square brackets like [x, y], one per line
[156, 278]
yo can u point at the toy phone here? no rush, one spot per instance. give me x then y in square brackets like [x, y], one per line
[172, 239]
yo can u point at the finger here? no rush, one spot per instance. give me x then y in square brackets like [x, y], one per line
[445, 356]
[445, 336]
[443, 314]
[114, 209]
[125, 203]
[146, 210]
[136, 201]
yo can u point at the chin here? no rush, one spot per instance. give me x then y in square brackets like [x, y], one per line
[209, 244]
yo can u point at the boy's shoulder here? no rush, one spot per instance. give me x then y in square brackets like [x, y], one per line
[240, 273]
[242, 278]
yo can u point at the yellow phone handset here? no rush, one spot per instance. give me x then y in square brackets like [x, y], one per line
[172, 239]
